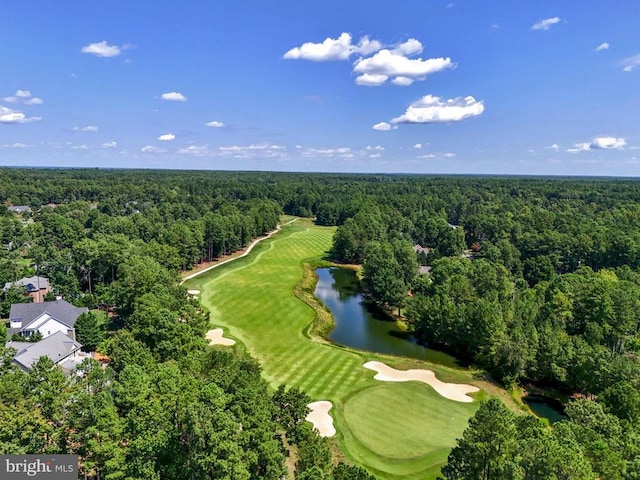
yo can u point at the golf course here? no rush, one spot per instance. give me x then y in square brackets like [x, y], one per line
[396, 429]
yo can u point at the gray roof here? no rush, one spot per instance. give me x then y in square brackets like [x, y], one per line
[19, 208]
[57, 347]
[61, 310]
[36, 281]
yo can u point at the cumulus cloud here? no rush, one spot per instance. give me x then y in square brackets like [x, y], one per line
[101, 49]
[340, 48]
[417, 146]
[16, 145]
[9, 116]
[602, 46]
[215, 124]
[378, 148]
[545, 24]
[599, 143]
[382, 126]
[110, 144]
[167, 137]
[88, 128]
[24, 97]
[173, 97]
[152, 149]
[431, 109]
[630, 63]
[395, 64]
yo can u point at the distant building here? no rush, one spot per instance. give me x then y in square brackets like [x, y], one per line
[20, 209]
[46, 317]
[36, 287]
[420, 249]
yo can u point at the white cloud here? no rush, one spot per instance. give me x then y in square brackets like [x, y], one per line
[196, 150]
[554, 147]
[101, 49]
[417, 146]
[431, 109]
[379, 148]
[84, 146]
[427, 156]
[88, 128]
[631, 62]
[339, 48]
[599, 143]
[608, 143]
[261, 150]
[395, 64]
[24, 97]
[16, 145]
[110, 145]
[449, 155]
[602, 46]
[215, 124]
[8, 116]
[545, 24]
[402, 81]
[167, 137]
[382, 126]
[369, 80]
[173, 97]
[152, 149]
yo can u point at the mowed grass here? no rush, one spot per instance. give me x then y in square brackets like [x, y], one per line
[397, 430]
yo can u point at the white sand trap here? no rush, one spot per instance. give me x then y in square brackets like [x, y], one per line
[193, 292]
[319, 416]
[215, 338]
[452, 391]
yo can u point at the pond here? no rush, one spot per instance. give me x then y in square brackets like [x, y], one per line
[545, 407]
[362, 326]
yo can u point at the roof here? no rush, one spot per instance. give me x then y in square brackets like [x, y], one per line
[19, 208]
[61, 310]
[420, 249]
[57, 347]
[31, 283]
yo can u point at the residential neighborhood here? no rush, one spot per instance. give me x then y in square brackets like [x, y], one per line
[36, 287]
[52, 322]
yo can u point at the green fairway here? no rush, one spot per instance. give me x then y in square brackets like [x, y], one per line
[397, 430]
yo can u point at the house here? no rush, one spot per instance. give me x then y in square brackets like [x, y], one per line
[62, 350]
[424, 270]
[19, 209]
[420, 249]
[36, 287]
[46, 317]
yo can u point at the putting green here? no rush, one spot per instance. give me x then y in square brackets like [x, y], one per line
[253, 298]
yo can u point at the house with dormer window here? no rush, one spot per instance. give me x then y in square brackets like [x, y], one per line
[25, 319]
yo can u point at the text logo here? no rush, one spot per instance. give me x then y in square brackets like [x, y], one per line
[46, 467]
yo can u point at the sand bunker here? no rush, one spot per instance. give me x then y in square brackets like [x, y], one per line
[193, 292]
[319, 416]
[215, 338]
[452, 391]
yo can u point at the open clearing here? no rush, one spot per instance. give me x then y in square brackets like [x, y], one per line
[396, 430]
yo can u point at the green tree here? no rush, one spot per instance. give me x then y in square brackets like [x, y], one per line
[90, 330]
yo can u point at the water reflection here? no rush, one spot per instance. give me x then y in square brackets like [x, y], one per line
[361, 325]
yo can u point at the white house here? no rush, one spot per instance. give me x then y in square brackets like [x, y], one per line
[48, 318]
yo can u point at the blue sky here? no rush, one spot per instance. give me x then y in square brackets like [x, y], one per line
[416, 86]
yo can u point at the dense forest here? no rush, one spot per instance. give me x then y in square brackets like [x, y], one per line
[537, 280]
